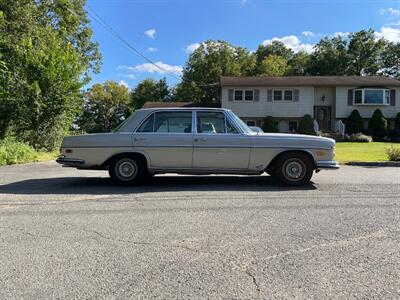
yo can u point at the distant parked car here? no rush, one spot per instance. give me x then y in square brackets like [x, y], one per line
[196, 141]
[256, 129]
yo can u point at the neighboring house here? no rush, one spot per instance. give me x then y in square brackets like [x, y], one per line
[327, 99]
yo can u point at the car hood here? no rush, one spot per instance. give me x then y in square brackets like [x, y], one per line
[114, 139]
[291, 140]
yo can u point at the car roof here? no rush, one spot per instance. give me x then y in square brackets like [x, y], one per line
[183, 109]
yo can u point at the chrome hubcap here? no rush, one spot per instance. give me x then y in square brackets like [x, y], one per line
[126, 169]
[294, 169]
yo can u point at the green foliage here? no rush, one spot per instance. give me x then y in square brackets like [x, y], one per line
[150, 90]
[397, 121]
[393, 154]
[306, 125]
[273, 65]
[378, 125]
[274, 48]
[106, 105]
[208, 63]
[13, 152]
[46, 56]
[354, 123]
[270, 125]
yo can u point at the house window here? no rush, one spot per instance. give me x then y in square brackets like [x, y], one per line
[251, 123]
[371, 96]
[248, 95]
[286, 95]
[293, 126]
[277, 95]
[238, 95]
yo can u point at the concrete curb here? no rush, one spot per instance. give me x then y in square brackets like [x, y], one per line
[374, 163]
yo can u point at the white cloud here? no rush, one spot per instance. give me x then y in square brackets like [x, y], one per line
[393, 24]
[129, 76]
[388, 33]
[158, 67]
[390, 11]
[191, 47]
[152, 49]
[151, 33]
[308, 33]
[124, 83]
[292, 42]
[341, 34]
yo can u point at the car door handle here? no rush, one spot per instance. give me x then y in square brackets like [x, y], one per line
[201, 139]
[139, 139]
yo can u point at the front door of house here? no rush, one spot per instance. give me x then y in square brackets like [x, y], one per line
[322, 114]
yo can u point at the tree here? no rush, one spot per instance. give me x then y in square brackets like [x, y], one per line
[46, 57]
[273, 65]
[378, 125]
[390, 58]
[354, 123]
[274, 48]
[306, 125]
[270, 124]
[187, 92]
[299, 64]
[106, 105]
[209, 62]
[150, 90]
[364, 53]
[329, 57]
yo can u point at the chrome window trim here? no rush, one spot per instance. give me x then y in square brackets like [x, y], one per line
[226, 116]
[154, 120]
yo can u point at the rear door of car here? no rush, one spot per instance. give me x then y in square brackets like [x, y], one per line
[167, 139]
[218, 144]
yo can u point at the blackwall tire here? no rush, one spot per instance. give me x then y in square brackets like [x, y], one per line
[294, 169]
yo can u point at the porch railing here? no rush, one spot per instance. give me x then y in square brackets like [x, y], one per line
[316, 127]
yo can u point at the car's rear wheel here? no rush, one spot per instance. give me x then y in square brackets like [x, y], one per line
[294, 169]
[127, 170]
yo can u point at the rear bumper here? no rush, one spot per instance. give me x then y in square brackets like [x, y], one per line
[327, 164]
[70, 162]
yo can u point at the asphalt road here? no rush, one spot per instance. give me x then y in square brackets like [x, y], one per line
[66, 233]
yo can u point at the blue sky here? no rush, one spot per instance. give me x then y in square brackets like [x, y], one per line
[167, 30]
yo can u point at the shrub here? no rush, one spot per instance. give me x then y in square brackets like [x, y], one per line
[270, 125]
[358, 138]
[378, 125]
[354, 123]
[393, 154]
[397, 121]
[12, 152]
[306, 125]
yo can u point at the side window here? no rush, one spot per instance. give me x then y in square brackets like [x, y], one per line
[147, 126]
[173, 122]
[213, 122]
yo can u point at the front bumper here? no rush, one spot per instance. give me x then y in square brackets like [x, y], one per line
[327, 164]
[70, 162]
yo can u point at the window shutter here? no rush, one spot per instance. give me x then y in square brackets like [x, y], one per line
[269, 95]
[230, 95]
[296, 95]
[393, 97]
[256, 95]
[350, 97]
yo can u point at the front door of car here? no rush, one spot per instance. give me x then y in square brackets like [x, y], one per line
[167, 139]
[217, 144]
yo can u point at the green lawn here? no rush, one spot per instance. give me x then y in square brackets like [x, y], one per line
[346, 151]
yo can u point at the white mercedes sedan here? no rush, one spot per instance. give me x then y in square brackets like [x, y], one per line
[196, 141]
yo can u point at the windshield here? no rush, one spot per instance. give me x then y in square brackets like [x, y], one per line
[118, 128]
[241, 124]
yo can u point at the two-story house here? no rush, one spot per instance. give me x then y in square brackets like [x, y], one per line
[327, 99]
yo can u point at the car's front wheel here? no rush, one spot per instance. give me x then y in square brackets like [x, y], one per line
[127, 170]
[294, 169]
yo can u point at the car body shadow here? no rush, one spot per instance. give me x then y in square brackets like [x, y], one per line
[170, 183]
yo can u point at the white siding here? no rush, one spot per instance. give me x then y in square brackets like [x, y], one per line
[262, 108]
[343, 110]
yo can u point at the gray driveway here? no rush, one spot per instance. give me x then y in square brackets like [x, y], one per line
[70, 234]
